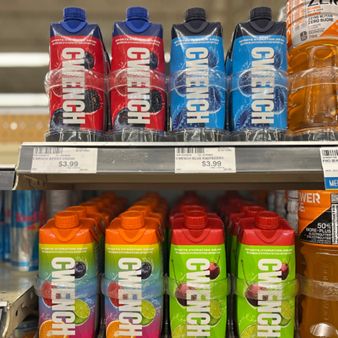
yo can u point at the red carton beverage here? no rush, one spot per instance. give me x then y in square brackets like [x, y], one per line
[137, 84]
[265, 284]
[197, 276]
[76, 81]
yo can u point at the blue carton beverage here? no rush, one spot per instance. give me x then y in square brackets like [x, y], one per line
[197, 74]
[259, 83]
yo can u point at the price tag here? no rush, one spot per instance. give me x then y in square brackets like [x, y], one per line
[64, 160]
[205, 160]
[329, 157]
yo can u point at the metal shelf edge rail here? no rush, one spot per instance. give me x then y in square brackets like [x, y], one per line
[7, 177]
[154, 163]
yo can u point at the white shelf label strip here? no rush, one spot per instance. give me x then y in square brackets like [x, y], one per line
[64, 160]
[329, 158]
[205, 160]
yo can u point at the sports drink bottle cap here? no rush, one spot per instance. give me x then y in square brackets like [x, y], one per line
[267, 220]
[66, 220]
[195, 13]
[195, 220]
[74, 13]
[132, 220]
[252, 211]
[80, 211]
[259, 13]
[90, 207]
[137, 13]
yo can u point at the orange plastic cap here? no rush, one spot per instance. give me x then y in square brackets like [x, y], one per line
[267, 220]
[144, 209]
[66, 220]
[195, 219]
[90, 207]
[132, 220]
[79, 210]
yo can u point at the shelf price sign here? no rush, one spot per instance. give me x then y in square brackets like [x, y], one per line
[64, 160]
[329, 158]
[205, 160]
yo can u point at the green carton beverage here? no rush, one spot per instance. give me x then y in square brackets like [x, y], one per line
[198, 284]
[265, 285]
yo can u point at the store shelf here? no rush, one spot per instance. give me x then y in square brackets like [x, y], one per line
[17, 299]
[7, 176]
[140, 165]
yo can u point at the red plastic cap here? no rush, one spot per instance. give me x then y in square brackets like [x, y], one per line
[195, 219]
[252, 210]
[132, 220]
[191, 207]
[267, 220]
[66, 220]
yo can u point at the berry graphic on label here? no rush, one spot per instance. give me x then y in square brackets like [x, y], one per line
[285, 271]
[80, 269]
[214, 99]
[57, 119]
[153, 61]
[251, 294]
[212, 59]
[146, 270]
[180, 121]
[181, 293]
[180, 84]
[214, 270]
[92, 101]
[122, 120]
[244, 83]
[46, 293]
[280, 94]
[89, 61]
[277, 60]
[155, 101]
[82, 311]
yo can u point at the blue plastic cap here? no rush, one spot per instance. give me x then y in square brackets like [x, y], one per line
[139, 13]
[74, 13]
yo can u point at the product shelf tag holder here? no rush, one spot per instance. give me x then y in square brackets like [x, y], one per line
[205, 160]
[64, 160]
[329, 158]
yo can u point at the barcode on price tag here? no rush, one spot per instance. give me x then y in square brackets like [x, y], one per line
[329, 158]
[205, 160]
[64, 160]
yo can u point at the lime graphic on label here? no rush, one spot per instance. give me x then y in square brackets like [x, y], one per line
[215, 311]
[82, 311]
[286, 312]
[148, 312]
[249, 332]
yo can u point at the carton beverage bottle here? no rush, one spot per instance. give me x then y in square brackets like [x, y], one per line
[133, 277]
[265, 285]
[318, 265]
[197, 83]
[68, 280]
[78, 65]
[137, 86]
[198, 285]
[259, 83]
[313, 50]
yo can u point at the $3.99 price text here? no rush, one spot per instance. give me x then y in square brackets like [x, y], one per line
[68, 164]
[211, 164]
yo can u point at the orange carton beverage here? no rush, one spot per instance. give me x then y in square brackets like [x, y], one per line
[133, 284]
[318, 266]
[67, 277]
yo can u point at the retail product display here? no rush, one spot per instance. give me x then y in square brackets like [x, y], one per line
[197, 76]
[258, 89]
[312, 34]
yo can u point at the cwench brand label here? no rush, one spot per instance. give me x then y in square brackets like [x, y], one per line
[265, 291]
[198, 291]
[133, 290]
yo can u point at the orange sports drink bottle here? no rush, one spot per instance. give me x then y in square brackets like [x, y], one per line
[318, 263]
